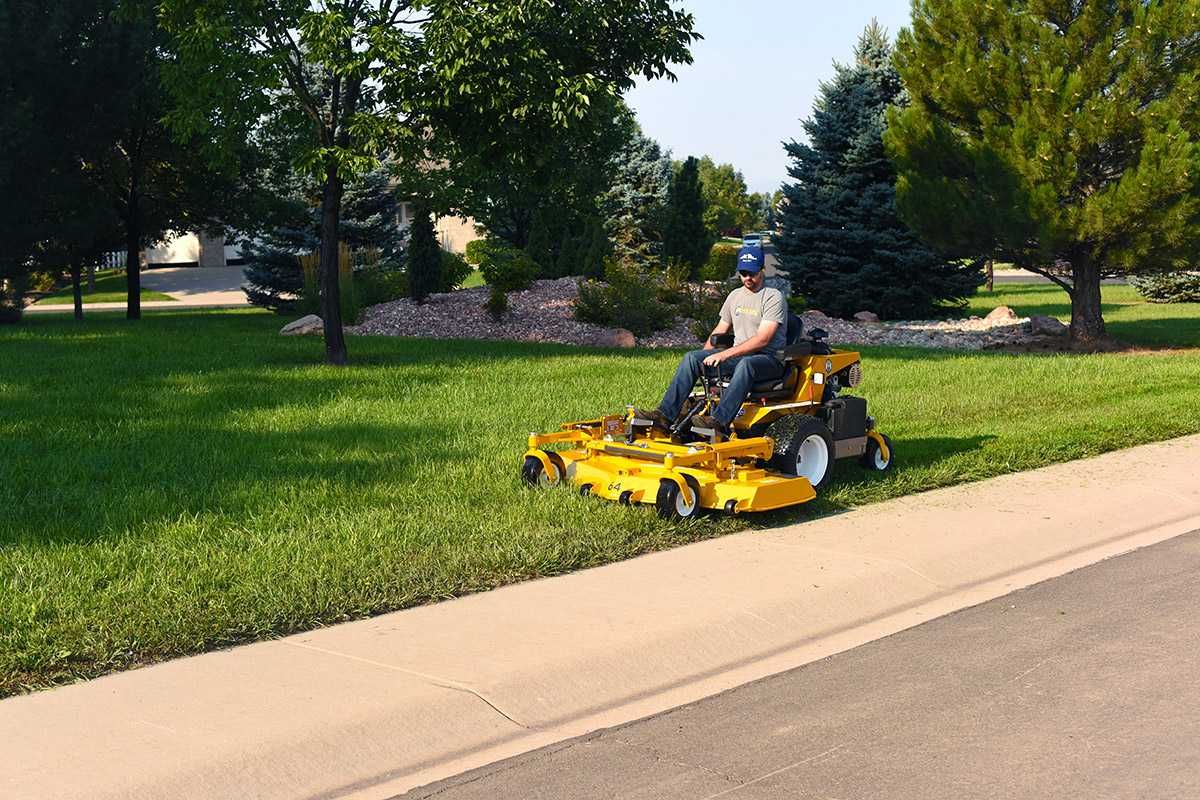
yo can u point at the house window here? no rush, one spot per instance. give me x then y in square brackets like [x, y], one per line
[405, 213]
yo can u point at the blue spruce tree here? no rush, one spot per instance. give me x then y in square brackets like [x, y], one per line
[842, 243]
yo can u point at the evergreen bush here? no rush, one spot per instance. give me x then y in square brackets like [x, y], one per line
[505, 267]
[424, 255]
[628, 298]
[474, 251]
[1168, 287]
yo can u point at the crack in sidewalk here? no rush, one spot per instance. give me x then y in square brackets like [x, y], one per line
[433, 679]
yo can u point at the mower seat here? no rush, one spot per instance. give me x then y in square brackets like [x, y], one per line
[793, 351]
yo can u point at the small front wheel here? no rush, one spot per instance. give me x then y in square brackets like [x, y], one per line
[670, 502]
[534, 473]
[873, 458]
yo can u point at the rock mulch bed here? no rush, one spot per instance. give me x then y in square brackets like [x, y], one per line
[545, 313]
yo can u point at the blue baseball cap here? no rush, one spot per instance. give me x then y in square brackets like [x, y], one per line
[750, 259]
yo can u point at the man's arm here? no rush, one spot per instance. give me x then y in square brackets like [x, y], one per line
[722, 327]
[761, 338]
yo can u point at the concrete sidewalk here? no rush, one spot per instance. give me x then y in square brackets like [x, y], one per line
[370, 709]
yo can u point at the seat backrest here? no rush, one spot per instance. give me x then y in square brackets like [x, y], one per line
[795, 327]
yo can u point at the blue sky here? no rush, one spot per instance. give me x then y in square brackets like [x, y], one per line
[754, 78]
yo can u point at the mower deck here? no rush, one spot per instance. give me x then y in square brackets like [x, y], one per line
[651, 468]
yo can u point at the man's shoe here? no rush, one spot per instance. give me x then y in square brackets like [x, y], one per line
[709, 422]
[655, 417]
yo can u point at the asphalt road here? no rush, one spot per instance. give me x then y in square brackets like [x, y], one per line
[1083, 686]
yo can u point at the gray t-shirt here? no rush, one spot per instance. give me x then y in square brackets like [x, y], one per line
[747, 310]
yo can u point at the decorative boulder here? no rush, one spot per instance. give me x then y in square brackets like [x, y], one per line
[1047, 326]
[619, 337]
[814, 313]
[310, 324]
[866, 316]
[1001, 312]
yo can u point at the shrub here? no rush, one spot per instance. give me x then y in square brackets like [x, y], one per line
[375, 286]
[475, 250]
[628, 299]
[12, 298]
[721, 263]
[1168, 287]
[42, 281]
[455, 270]
[505, 267]
[497, 304]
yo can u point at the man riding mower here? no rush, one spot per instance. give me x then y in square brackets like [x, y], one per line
[761, 433]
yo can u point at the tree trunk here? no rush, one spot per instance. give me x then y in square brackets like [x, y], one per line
[991, 274]
[1087, 321]
[331, 305]
[76, 275]
[133, 264]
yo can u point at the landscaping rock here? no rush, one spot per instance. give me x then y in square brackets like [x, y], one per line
[309, 324]
[619, 337]
[545, 313]
[1001, 312]
[866, 316]
[1047, 326]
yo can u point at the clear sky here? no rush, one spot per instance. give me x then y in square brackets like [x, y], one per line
[754, 77]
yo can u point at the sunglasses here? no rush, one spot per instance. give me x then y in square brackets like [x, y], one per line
[744, 274]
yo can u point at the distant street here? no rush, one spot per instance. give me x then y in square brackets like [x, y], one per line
[1083, 686]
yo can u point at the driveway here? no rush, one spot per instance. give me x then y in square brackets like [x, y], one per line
[198, 286]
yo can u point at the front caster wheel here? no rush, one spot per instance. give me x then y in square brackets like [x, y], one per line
[873, 458]
[535, 474]
[670, 502]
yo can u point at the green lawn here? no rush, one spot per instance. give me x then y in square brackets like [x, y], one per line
[1127, 316]
[474, 279]
[111, 287]
[194, 479]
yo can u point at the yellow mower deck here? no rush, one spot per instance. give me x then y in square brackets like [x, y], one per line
[726, 476]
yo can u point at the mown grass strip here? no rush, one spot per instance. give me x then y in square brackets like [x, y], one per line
[195, 479]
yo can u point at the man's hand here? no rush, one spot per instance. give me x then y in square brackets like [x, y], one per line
[716, 358]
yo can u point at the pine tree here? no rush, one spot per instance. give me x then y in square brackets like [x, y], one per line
[598, 249]
[842, 244]
[633, 205]
[684, 234]
[274, 279]
[1065, 139]
[424, 254]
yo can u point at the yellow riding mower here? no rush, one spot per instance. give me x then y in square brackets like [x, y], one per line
[780, 449]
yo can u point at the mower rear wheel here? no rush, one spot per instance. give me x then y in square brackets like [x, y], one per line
[670, 503]
[873, 457]
[803, 447]
[535, 474]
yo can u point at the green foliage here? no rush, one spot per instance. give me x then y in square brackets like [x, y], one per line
[1064, 140]
[374, 286]
[1168, 287]
[454, 271]
[684, 234]
[721, 262]
[497, 303]
[598, 249]
[633, 205]
[474, 251]
[424, 254]
[628, 298]
[842, 244]
[540, 247]
[12, 295]
[436, 84]
[726, 204]
[505, 267]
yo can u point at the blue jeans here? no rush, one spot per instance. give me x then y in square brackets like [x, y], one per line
[743, 371]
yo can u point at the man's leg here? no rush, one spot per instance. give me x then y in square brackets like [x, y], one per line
[682, 383]
[747, 371]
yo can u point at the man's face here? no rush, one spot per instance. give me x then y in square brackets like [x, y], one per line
[751, 280]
